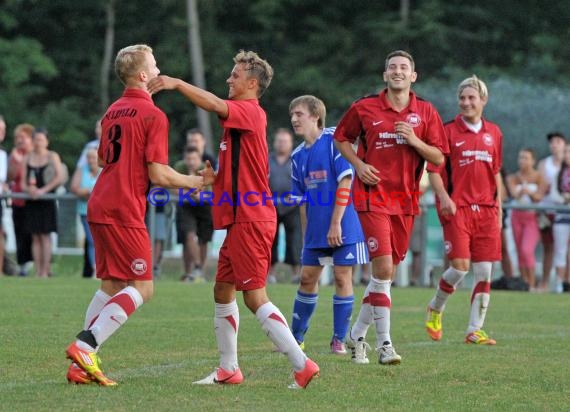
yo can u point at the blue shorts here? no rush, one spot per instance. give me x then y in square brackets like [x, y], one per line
[345, 255]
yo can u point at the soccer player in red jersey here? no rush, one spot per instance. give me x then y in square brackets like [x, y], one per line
[396, 132]
[245, 255]
[468, 193]
[133, 150]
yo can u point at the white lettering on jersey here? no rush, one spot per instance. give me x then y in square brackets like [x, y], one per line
[386, 139]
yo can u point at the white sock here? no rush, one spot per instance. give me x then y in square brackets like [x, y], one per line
[226, 326]
[275, 326]
[360, 327]
[115, 313]
[380, 303]
[97, 304]
[447, 284]
[480, 295]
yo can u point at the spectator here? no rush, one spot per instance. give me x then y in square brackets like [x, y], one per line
[195, 138]
[193, 223]
[82, 184]
[549, 167]
[42, 174]
[3, 177]
[364, 273]
[280, 183]
[561, 229]
[417, 239]
[526, 187]
[162, 224]
[93, 144]
[16, 167]
[506, 264]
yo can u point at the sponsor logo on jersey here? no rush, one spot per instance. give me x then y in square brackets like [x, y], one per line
[488, 139]
[139, 267]
[372, 243]
[414, 119]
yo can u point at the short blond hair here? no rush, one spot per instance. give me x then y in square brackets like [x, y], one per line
[475, 83]
[315, 106]
[130, 60]
[257, 68]
[25, 128]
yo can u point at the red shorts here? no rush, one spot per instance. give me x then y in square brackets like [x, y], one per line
[122, 253]
[245, 255]
[473, 233]
[386, 234]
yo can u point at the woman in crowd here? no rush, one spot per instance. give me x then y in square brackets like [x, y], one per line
[82, 184]
[526, 186]
[561, 227]
[42, 174]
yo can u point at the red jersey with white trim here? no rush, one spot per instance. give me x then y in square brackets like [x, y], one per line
[370, 121]
[469, 171]
[134, 133]
[243, 166]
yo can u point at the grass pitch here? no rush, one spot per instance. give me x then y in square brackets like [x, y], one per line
[170, 342]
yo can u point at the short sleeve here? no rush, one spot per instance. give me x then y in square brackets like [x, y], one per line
[349, 127]
[156, 150]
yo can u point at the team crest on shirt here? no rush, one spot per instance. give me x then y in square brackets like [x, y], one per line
[414, 119]
[372, 244]
[447, 245]
[139, 266]
[488, 139]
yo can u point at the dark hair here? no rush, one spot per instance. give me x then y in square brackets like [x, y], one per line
[194, 130]
[552, 135]
[401, 53]
[529, 150]
[42, 130]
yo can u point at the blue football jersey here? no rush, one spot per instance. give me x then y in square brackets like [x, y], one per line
[315, 174]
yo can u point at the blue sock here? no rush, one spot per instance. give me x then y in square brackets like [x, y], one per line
[303, 308]
[342, 312]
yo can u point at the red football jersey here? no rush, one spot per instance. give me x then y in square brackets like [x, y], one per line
[370, 120]
[134, 133]
[474, 159]
[241, 189]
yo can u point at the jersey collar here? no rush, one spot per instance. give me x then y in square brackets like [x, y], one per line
[385, 104]
[132, 92]
[463, 127]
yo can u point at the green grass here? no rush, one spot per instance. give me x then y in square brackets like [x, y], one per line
[170, 342]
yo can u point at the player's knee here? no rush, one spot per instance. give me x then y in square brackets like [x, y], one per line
[147, 293]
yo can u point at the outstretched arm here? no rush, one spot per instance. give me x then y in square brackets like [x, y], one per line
[201, 98]
[165, 176]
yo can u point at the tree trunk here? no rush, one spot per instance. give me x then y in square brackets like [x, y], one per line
[107, 53]
[197, 64]
[404, 12]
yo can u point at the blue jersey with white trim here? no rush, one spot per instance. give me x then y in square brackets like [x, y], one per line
[315, 174]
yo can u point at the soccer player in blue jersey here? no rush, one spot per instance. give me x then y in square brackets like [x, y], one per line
[321, 182]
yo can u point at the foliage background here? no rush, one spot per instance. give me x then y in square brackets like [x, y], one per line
[51, 55]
